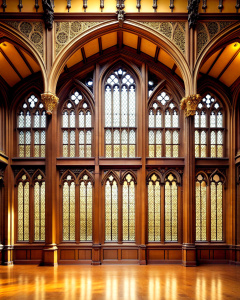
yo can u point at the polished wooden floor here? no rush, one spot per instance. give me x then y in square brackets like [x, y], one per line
[120, 282]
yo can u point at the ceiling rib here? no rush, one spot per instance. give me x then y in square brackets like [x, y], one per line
[228, 64]
[213, 64]
[25, 60]
[11, 64]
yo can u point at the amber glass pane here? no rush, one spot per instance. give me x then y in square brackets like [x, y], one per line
[201, 211]
[23, 211]
[128, 203]
[216, 211]
[68, 211]
[111, 210]
[154, 211]
[85, 211]
[39, 211]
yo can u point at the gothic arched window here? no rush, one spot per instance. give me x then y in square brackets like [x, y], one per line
[163, 124]
[201, 208]
[31, 126]
[77, 129]
[209, 128]
[120, 114]
[171, 208]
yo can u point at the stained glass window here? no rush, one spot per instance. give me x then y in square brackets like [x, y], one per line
[154, 209]
[68, 209]
[163, 141]
[77, 126]
[86, 200]
[31, 128]
[128, 209]
[111, 209]
[216, 188]
[209, 127]
[171, 209]
[39, 209]
[120, 115]
[201, 208]
[23, 209]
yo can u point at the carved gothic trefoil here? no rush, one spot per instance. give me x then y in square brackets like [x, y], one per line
[193, 12]
[189, 104]
[49, 101]
[48, 14]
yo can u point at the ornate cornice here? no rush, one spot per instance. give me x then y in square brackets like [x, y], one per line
[49, 101]
[189, 104]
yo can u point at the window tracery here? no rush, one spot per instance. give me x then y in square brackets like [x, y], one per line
[31, 126]
[120, 115]
[77, 129]
[209, 128]
[163, 133]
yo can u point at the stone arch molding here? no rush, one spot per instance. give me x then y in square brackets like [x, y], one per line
[100, 28]
[17, 37]
[223, 37]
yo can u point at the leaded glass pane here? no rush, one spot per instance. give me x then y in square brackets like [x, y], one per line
[219, 119]
[81, 119]
[154, 205]
[39, 211]
[216, 211]
[124, 107]
[132, 106]
[213, 144]
[72, 143]
[85, 211]
[158, 119]
[151, 119]
[43, 119]
[28, 119]
[196, 119]
[203, 119]
[108, 107]
[168, 122]
[20, 212]
[37, 119]
[72, 119]
[21, 120]
[111, 210]
[201, 211]
[88, 119]
[151, 137]
[212, 119]
[175, 119]
[65, 119]
[69, 211]
[116, 106]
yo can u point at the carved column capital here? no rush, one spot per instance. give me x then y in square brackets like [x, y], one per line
[49, 101]
[189, 104]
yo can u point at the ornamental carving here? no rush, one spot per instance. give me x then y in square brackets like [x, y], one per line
[174, 31]
[49, 101]
[193, 13]
[206, 32]
[48, 14]
[66, 31]
[33, 31]
[120, 12]
[189, 104]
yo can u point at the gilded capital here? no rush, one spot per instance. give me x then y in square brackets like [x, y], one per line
[49, 101]
[190, 103]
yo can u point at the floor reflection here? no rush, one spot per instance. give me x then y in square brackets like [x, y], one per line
[119, 282]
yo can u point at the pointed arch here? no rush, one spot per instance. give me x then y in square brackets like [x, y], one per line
[65, 174]
[20, 174]
[110, 26]
[89, 174]
[222, 176]
[205, 176]
[17, 38]
[108, 174]
[132, 173]
[36, 173]
[175, 173]
[152, 172]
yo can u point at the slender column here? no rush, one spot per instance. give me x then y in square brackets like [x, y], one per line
[50, 249]
[96, 251]
[189, 104]
[237, 220]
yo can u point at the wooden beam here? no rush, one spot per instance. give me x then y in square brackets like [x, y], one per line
[174, 69]
[11, 64]
[228, 64]
[139, 45]
[120, 39]
[83, 55]
[100, 45]
[156, 54]
[219, 54]
[25, 60]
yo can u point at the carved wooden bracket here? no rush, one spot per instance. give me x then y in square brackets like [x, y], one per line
[48, 14]
[49, 101]
[193, 12]
[189, 104]
[120, 12]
